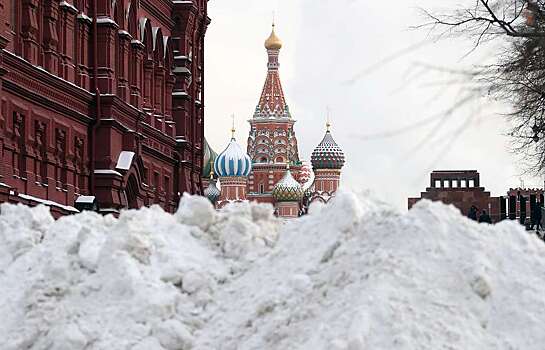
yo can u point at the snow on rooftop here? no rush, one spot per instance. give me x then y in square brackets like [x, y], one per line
[351, 275]
[107, 172]
[48, 203]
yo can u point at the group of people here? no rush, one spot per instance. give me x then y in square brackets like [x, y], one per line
[483, 217]
[535, 218]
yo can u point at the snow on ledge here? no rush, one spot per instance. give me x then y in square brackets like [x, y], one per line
[48, 203]
[107, 172]
[124, 161]
[85, 199]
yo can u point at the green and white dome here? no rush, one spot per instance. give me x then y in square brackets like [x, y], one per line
[287, 189]
[208, 161]
[327, 155]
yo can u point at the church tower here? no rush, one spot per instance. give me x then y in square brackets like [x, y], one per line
[272, 144]
[232, 166]
[327, 161]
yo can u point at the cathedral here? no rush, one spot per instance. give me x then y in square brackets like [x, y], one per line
[270, 170]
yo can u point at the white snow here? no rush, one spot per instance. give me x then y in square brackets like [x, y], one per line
[86, 199]
[48, 203]
[107, 172]
[124, 161]
[352, 275]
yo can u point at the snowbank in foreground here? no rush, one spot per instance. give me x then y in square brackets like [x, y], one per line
[353, 275]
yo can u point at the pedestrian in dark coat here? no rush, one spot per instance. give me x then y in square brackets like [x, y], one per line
[472, 213]
[537, 215]
[485, 217]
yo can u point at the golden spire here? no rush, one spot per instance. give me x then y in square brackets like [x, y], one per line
[273, 42]
[211, 169]
[233, 127]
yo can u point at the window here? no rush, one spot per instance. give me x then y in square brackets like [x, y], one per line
[146, 175]
[471, 183]
[446, 184]
[437, 184]
[261, 188]
[13, 17]
[166, 186]
[463, 183]
[156, 180]
[454, 183]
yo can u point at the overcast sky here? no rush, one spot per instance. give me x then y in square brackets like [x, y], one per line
[361, 59]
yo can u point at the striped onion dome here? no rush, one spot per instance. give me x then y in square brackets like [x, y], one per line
[212, 192]
[287, 189]
[209, 158]
[327, 155]
[233, 161]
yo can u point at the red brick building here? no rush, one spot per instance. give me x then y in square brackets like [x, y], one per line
[461, 188]
[272, 143]
[522, 200]
[101, 98]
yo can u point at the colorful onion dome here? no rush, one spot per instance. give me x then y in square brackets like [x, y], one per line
[287, 189]
[273, 42]
[233, 161]
[208, 161]
[327, 155]
[212, 192]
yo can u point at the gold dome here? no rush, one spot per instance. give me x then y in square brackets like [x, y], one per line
[273, 42]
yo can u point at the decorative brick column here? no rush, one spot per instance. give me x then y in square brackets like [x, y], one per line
[327, 180]
[287, 210]
[233, 188]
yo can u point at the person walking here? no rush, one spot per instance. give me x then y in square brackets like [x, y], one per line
[537, 216]
[485, 218]
[472, 213]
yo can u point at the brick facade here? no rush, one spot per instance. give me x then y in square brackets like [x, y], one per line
[88, 80]
[461, 189]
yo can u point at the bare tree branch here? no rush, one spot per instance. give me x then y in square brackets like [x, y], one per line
[518, 76]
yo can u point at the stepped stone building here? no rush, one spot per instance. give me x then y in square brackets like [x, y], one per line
[102, 100]
[461, 188]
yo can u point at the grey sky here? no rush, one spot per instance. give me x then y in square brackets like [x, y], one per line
[329, 46]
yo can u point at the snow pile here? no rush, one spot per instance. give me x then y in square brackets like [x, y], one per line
[138, 282]
[352, 275]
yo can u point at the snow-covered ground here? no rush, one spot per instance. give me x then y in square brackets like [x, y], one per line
[352, 275]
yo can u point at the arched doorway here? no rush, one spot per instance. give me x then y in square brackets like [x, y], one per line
[132, 192]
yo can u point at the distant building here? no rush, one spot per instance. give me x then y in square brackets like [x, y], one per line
[461, 188]
[522, 200]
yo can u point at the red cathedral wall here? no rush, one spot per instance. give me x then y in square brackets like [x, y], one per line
[75, 92]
